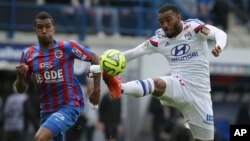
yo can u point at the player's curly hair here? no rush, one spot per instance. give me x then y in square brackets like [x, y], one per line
[44, 15]
[167, 7]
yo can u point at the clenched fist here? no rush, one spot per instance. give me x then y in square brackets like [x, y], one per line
[216, 51]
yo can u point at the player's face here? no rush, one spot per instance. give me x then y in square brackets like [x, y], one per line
[170, 22]
[44, 30]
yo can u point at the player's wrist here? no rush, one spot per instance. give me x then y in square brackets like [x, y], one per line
[95, 69]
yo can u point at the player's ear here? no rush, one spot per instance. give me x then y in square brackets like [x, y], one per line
[179, 17]
[54, 28]
[34, 29]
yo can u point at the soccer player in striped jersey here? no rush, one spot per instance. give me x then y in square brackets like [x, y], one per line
[184, 45]
[50, 62]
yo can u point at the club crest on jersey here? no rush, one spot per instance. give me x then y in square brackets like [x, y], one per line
[58, 54]
[188, 36]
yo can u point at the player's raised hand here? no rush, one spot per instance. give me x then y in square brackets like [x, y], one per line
[22, 70]
[216, 51]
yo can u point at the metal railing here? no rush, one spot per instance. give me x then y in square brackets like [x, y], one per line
[137, 20]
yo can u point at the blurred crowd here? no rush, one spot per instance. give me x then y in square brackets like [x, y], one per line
[210, 11]
[127, 17]
[214, 11]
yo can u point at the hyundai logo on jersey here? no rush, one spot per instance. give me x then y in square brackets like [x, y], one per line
[180, 50]
[180, 53]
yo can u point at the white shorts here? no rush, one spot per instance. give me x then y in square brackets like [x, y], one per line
[195, 105]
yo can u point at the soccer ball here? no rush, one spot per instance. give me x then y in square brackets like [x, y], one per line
[112, 62]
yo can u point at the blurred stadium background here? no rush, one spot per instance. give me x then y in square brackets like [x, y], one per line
[123, 24]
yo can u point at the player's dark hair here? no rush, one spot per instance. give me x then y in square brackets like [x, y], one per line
[167, 7]
[44, 15]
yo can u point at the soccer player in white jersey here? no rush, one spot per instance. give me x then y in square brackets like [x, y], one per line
[184, 44]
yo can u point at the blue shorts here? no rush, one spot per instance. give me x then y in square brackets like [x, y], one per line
[60, 121]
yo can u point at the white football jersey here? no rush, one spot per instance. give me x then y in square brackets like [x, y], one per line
[187, 53]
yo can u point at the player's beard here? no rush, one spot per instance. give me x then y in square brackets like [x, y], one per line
[175, 31]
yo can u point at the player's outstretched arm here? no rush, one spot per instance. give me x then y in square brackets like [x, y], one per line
[130, 54]
[20, 83]
[138, 51]
[95, 94]
[220, 37]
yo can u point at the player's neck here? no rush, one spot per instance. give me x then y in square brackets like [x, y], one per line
[47, 45]
[180, 28]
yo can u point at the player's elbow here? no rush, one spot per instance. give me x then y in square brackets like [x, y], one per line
[94, 59]
[20, 87]
[224, 34]
[21, 91]
[223, 37]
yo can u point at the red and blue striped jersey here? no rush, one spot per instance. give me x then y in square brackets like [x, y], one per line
[54, 74]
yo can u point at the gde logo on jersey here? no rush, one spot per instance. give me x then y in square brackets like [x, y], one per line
[180, 50]
[181, 53]
[51, 76]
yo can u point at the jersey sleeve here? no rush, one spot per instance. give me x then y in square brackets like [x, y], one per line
[206, 31]
[24, 59]
[142, 49]
[218, 35]
[79, 52]
[196, 24]
[198, 27]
